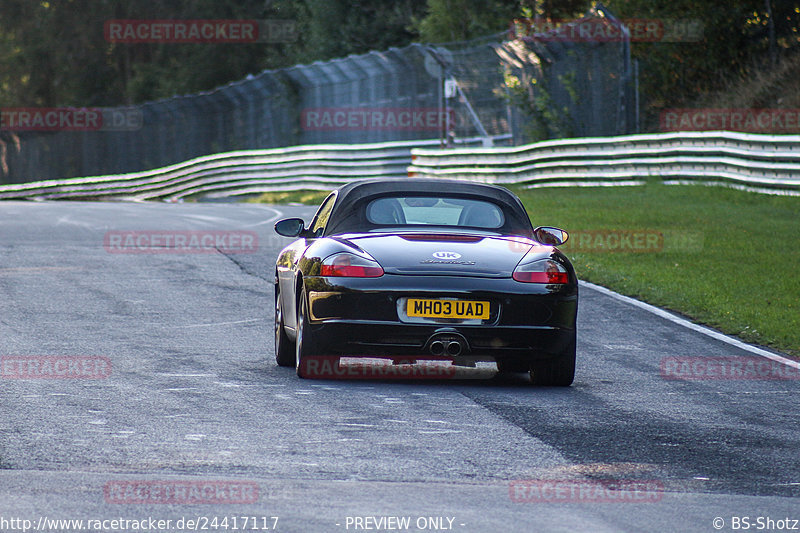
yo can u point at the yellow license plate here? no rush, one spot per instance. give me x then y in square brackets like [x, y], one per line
[428, 308]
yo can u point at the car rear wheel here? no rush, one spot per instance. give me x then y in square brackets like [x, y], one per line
[556, 372]
[284, 348]
[304, 345]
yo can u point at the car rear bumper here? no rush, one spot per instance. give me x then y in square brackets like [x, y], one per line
[357, 317]
[376, 339]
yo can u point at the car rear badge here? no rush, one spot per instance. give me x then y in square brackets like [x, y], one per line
[446, 255]
[446, 258]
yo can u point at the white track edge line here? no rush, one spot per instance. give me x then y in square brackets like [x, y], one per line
[695, 327]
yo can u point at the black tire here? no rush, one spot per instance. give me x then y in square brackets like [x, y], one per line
[284, 348]
[304, 345]
[556, 372]
[512, 366]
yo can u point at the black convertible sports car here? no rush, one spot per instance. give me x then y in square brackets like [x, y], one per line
[414, 269]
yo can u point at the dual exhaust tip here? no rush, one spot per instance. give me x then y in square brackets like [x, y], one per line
[445, 347]
[448, 342]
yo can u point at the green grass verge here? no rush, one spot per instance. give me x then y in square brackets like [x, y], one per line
[730, 259]
[725, 258]
[290, 197]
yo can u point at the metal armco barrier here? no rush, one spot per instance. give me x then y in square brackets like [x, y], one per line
[761, 163]
[238, 173]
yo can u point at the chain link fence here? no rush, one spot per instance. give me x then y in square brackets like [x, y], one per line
[446, 91]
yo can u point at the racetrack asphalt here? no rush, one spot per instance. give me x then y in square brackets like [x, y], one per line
[193, 396]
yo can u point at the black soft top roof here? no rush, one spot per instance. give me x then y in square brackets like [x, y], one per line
[348, 213]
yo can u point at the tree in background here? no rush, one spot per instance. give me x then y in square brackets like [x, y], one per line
[740, 37]
[459, 20]
[53, 52]
[736, 42]
[336, 28]
[150, 71]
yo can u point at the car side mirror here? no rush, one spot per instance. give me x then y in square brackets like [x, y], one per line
[290, 227]
[550, 236]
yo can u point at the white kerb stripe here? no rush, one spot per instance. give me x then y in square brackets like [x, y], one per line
[696, 327]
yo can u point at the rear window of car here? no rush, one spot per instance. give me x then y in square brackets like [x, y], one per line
[434, 211]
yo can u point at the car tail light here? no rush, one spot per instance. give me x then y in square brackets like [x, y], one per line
[350, 266]
[543, 271]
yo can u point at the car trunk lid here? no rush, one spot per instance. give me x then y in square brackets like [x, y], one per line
[445, 254]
